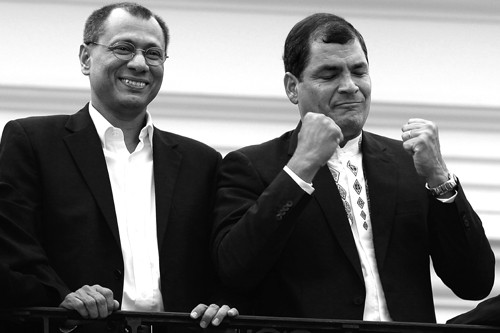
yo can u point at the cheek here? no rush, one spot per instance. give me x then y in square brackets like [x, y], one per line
[158, 76]
[316, 93]
[365, 87]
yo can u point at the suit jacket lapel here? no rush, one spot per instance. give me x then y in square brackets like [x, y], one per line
[167, 162]
[327, 196]
[85, 146]
[382, 176]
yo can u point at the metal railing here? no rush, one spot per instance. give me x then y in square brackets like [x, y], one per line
[47, 319]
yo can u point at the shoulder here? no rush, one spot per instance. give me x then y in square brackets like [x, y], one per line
[384, 148]
[267, 158]
[384, 143]
[36, 127]
[275, 147]
[381, 139]
[40, 121]
[185, 144]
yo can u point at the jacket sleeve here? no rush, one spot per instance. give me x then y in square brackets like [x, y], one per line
[461, 253]
[254, 217]
[26, 271]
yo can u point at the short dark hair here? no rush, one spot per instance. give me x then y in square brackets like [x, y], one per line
[329, 28]
[94, 26]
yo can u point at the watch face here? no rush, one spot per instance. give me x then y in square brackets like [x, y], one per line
[447, 186]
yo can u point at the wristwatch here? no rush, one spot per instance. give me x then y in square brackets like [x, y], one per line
[447, 186]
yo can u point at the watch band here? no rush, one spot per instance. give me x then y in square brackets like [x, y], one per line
[445, 187]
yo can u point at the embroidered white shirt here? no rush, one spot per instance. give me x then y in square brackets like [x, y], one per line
[375, 303]
[344, 160]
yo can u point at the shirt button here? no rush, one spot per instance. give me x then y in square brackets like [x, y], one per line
[466, 220]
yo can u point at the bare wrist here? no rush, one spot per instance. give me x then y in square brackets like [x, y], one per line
[306, 171]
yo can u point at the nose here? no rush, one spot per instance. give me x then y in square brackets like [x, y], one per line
[347, 85]
[138, 62]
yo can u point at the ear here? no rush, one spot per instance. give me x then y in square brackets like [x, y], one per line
[84, 56]
[291, 87]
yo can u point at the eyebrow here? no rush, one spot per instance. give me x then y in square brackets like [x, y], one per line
[328, 67]
[128, 40]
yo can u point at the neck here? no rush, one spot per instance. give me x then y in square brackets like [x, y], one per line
[131, 127]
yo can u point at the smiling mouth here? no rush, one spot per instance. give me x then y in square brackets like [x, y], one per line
[134, 84]
[348, 103]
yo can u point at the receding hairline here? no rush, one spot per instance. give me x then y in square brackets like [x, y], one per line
[125, 12]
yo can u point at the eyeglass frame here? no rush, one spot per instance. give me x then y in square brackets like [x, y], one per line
[133, 54]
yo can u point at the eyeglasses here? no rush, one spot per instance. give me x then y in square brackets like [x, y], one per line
[154, 56]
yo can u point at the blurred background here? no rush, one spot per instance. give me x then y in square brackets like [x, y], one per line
[223, 82]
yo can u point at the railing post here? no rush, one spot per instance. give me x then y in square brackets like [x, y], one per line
[133, 323]
[46, 326]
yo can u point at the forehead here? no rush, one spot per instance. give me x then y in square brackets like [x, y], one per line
[335, 54]
[121, 25]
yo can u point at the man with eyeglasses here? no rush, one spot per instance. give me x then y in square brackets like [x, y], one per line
[113, 212]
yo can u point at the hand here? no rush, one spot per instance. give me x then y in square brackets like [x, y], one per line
[318, 139]
[212, 314]
[421, 140]
[91, 302]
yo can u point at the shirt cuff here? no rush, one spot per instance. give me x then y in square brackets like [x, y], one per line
[448, 200]
[307, 187]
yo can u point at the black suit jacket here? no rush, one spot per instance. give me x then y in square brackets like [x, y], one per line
[486, 312]
[58, 224]
[295, 253]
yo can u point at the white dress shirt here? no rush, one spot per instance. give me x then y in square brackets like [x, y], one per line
[132, 182]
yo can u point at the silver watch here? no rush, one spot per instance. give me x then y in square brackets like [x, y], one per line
[447, 186]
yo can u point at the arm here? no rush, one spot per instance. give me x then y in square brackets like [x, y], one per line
[258, 203]
[20, 248]
[248, 234]
[461, 253]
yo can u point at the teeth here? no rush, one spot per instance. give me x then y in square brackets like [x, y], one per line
[134, 84]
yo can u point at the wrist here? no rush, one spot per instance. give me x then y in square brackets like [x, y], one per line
[439, 177]
[445, 188]
[306, 171]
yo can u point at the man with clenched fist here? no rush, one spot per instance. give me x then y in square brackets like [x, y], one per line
[331, 221]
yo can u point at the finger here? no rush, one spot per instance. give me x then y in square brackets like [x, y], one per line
[89, 303]
[407, 135]
[408, 147]
[94, 301]
[417, 121]
[414, 123]
[198, 310]
[100, 303]
[108, 296]
[220, 315]
[233, 312]
[71, 302]
[208, 315]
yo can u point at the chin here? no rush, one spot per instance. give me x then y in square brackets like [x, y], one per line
[135, 101]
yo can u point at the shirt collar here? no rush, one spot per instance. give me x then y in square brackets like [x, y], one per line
[351, 148]
[102, 125]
